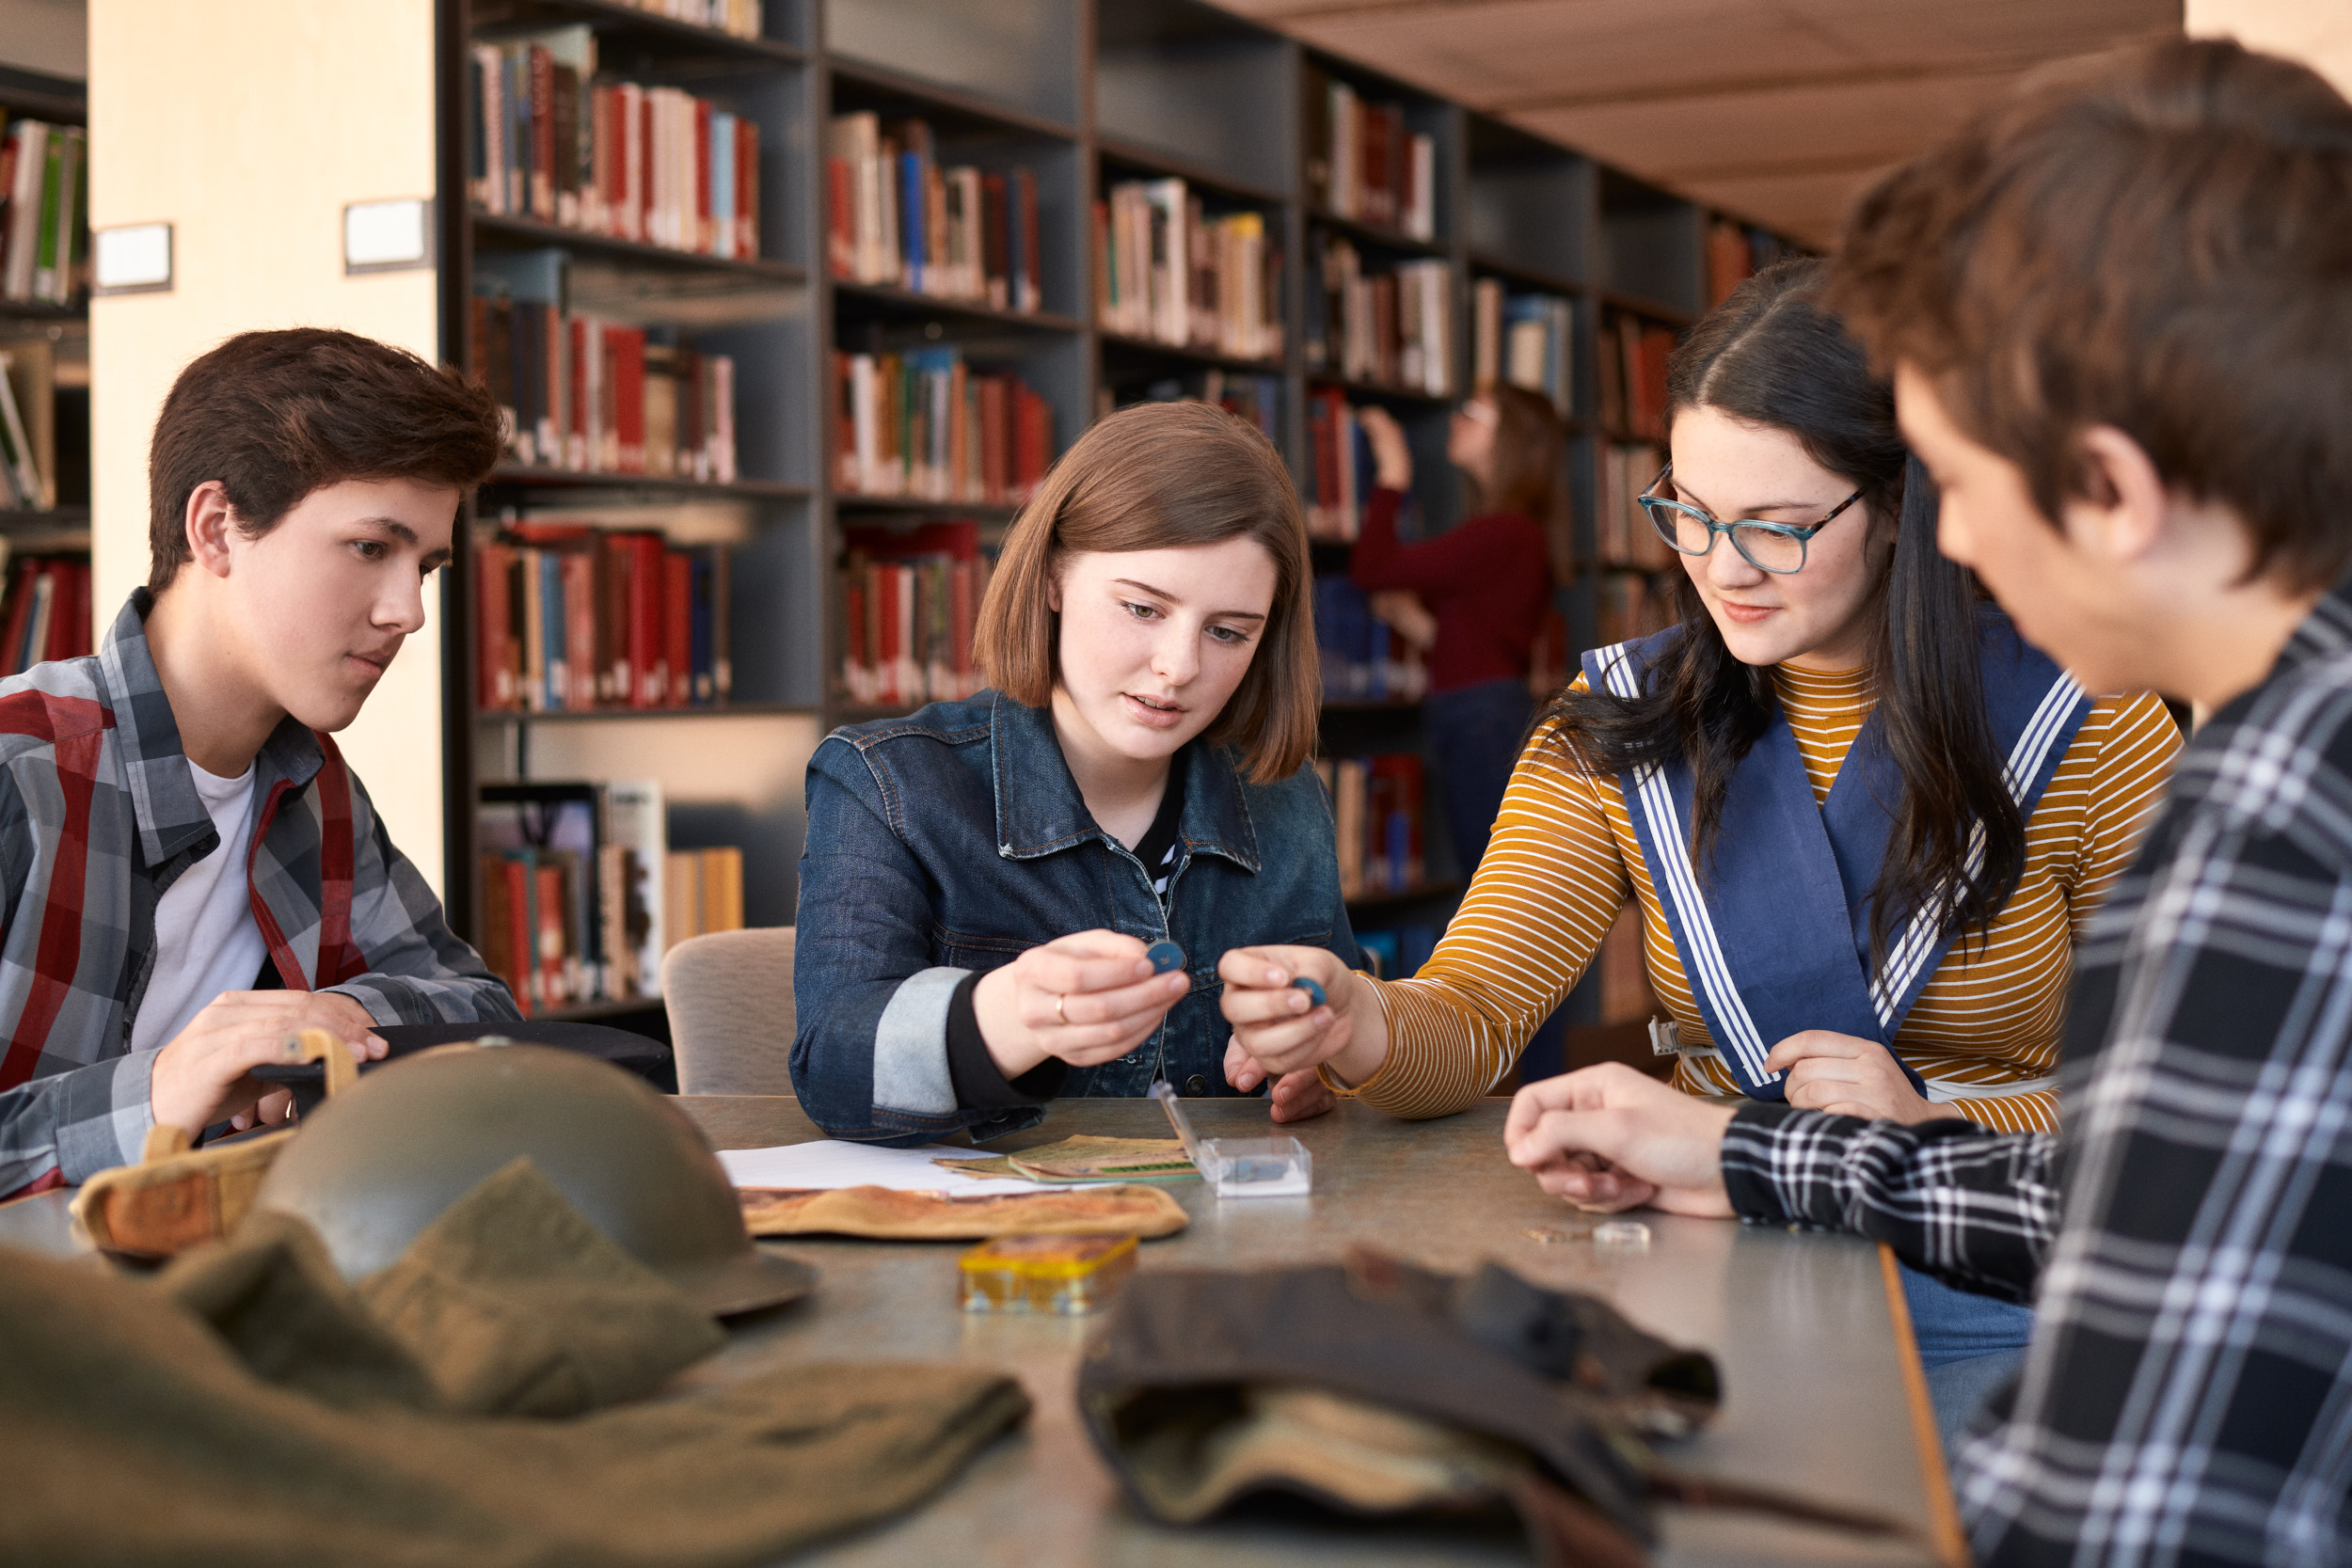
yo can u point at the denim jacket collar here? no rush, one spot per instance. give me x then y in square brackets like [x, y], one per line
[171, 815]
[1039, 810]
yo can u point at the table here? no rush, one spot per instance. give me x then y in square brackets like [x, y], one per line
[1823, 1394]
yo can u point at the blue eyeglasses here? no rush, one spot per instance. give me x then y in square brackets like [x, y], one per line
[1775, 547]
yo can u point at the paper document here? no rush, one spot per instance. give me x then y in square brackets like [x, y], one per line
[831, 1163]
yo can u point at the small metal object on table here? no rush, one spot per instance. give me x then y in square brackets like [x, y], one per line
[1823, 1394]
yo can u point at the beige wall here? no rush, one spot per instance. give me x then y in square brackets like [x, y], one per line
[247, 124]
[2317, 32]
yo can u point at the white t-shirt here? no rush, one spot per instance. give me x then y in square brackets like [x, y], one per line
[206, 942]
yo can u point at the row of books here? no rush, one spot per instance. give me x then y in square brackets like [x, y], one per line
[1165, 270]
[1339, 467]
[1399, 950]
[573, 615]
[44, 212]
[1379, 810]
[1633, 355]
[741, 19]
[1363, 163]
[46, 613]
[1391, 328]
[1523, 340]
[1631, 604]
[44, 419]
[1735, 253]
[909, 600]
[593, 396]
[895, 215]
[621, 159]
[1623, 534]
[581, 894]
[1255, 397]
[926, 425]
[1364, 658]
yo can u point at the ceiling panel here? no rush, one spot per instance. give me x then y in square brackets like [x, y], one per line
[1778, 110]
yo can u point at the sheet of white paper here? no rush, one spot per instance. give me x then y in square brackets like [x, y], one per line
[829, 1163]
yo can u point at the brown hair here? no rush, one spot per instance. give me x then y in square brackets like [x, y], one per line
[274, 416]
[1529, 441]
[1163, 476]
[2161, 246]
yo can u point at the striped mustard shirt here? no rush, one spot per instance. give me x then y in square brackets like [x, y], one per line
[1563, 860]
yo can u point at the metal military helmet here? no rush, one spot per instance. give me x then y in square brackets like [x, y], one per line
[375, 1166]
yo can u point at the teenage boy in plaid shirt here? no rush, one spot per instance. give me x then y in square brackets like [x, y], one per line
[2119, 314]
[188, 873]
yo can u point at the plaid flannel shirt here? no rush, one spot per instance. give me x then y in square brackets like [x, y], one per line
[98, 815]
[2187, 1237]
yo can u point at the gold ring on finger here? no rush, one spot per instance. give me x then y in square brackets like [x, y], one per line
[1060, 1017]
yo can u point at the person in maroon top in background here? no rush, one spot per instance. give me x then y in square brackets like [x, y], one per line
[1486, 582]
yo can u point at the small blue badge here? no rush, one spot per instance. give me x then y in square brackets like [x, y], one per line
[1165, 956]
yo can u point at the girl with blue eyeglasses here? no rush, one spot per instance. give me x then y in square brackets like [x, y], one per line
[1864, 822]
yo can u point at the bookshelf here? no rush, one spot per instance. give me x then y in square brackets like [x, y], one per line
[45, 503]
[1087, 99]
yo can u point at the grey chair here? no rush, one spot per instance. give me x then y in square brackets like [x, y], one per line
[729, 997]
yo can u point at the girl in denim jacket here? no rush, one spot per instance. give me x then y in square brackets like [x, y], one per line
[983, 877]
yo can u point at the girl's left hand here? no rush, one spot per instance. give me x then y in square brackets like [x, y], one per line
[1848, 1076]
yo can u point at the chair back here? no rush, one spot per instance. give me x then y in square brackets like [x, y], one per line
[729, 997]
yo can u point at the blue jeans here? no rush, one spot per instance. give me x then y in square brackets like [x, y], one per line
[1969, 1345]
[1475, 736]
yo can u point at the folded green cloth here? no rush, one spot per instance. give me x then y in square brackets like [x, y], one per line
[248, 1407]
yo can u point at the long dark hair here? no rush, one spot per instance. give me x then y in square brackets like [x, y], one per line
[1771, 356]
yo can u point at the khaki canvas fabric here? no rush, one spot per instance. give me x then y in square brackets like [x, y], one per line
[885, 1214]
[247, 1407]
[1085, 1158]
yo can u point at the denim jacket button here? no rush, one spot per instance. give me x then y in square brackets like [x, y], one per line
[1196, 1084]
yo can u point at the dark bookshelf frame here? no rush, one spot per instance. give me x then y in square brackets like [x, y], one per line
[1116, 90]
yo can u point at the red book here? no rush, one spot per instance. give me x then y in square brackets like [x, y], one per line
[613, 682]
[542, 134]
[746, 186]
[887, 596]
[704, 238]
[1029, 287]
[551, 901]
[20, 608]
[628, 396]
[994, 248]
[678, 625]
[646, 642]
[494, 633]
[579, 626]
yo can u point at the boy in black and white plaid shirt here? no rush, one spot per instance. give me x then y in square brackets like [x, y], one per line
[2118, 313]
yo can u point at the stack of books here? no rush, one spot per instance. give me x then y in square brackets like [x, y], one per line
[1633, 355]
[1364, 661]
[623, 160]
[1255, 397]
[924, 426]
[46, 613]
[1523, 340]
[895, 217]
[1735, 253]
[908, 601]
[571, 615]
[1623, 535]
[32, 372]
[1362, 164]
[581, 894]
[1393, 329]
[740, 18]
[593, 396]
[44, 212]
[1339, 467]
[1377, 804]
[1166, 271]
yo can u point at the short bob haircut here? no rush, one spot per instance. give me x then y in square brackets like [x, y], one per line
[1163, 476]
[274, 416]
[2159, 241]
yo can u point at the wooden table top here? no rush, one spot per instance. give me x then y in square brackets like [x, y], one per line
[1820, 1393]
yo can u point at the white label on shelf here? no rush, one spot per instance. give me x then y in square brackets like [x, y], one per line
[133, 258]
[380, 236]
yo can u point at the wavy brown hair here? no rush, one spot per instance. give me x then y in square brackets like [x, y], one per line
[1163, 476]
[1771, 354]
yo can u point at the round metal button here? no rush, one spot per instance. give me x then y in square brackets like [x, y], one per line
[1196, 1084]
